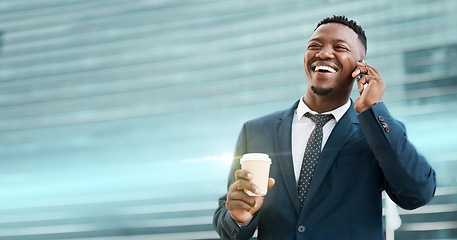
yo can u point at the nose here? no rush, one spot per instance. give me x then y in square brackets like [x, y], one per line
[325, 53]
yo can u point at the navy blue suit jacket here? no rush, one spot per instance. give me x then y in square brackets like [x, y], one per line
[365, 154]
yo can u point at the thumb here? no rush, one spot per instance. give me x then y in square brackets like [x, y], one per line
[359, 105]
[271, 183]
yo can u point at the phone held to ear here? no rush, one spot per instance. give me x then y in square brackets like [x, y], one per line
[358, 77]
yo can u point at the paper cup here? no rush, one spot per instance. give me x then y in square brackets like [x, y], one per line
[258, 164]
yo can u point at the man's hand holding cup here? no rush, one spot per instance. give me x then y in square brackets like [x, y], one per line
[247, 193]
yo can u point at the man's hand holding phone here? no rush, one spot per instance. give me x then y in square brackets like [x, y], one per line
[374, 88]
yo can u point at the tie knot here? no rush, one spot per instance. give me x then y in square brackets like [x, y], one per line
[319, 119]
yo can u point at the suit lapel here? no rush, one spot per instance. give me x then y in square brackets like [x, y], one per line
[343, 130]
[283, 138]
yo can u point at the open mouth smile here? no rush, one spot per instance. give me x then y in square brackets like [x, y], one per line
[324, 69]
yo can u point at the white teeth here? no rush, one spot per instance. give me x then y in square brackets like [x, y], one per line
[326, 68]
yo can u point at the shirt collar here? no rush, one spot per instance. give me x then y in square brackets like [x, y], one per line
[337, 113]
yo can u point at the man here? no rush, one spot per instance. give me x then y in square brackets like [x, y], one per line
[361, 151]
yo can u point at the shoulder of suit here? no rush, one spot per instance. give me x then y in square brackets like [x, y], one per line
[269, 117]
[273, 117]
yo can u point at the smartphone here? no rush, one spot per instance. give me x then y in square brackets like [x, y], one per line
[358, 77]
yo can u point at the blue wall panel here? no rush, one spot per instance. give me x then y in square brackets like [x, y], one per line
[119, 118]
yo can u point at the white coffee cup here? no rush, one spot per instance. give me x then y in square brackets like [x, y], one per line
[258, 164]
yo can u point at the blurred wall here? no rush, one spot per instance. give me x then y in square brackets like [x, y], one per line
[119, 118]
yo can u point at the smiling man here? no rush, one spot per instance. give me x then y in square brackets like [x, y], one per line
[331, 157]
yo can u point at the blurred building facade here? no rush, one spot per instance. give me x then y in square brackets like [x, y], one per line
[118, 118]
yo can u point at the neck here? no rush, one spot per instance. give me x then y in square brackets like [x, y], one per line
[323, 104]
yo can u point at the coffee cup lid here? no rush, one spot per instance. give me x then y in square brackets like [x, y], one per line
[255, 156]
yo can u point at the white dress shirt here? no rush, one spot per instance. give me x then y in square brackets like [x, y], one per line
[302, 128]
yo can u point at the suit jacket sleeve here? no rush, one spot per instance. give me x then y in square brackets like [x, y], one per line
[409, 179]
[225, 226]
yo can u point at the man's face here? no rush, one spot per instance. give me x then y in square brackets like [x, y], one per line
[330, 59]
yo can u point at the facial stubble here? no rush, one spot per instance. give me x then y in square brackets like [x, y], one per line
[321, 91]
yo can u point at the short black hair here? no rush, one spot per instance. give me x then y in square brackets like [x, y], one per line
[350, 23]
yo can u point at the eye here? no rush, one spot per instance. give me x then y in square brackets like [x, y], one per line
[341, 48]
[313, 46]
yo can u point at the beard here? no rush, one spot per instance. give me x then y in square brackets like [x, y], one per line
[321, 91]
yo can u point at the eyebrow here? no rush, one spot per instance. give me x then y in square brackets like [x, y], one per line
[337, 40]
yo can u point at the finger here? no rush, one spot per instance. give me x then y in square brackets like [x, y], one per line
[240, 185]
[360, 87]
[243, 174]
[361, 64]
[252, 188]
[357, 70]
[243, 197]
[244, 182]
[370, 79]
[370, 69]
[361, 70]
[355, 73]
[361, 83]
[238, 205]
[365, 70]
[366, 81]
